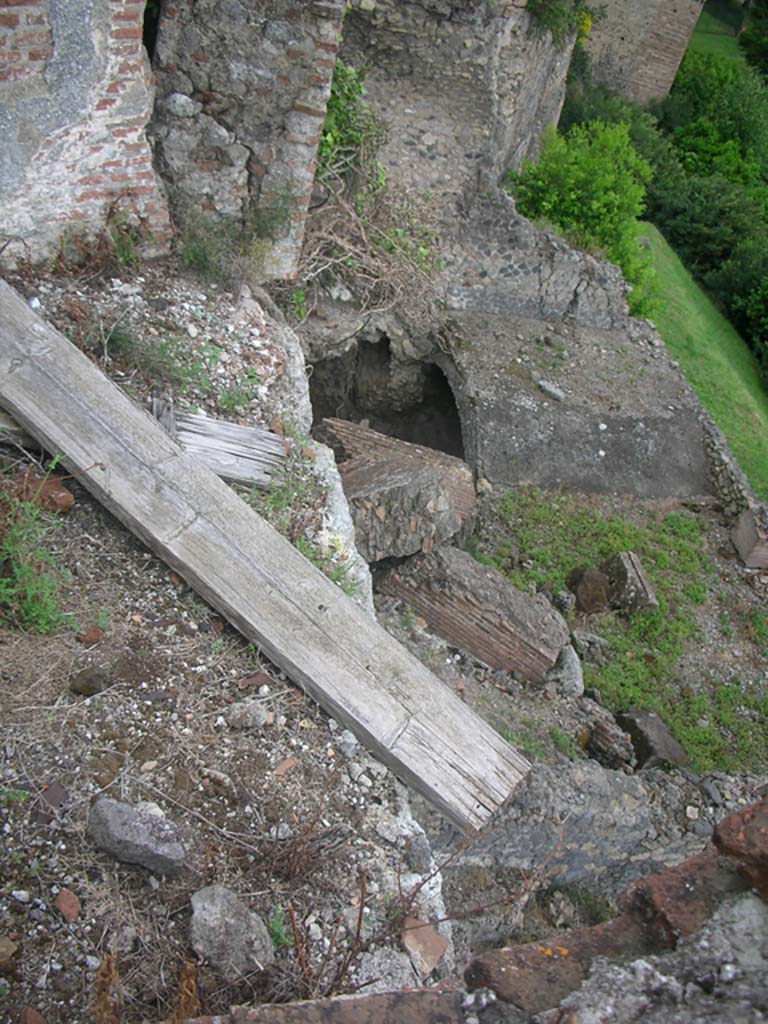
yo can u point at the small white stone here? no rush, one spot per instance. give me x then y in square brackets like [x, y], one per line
[692, 813]
[601, 454]
[192, 330]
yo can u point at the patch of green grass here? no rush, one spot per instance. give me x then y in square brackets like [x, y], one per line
[717, 28]
[524, 737]
[563, 743]
[332, 564]
[30, 579]
[715, 360]
[555, 533]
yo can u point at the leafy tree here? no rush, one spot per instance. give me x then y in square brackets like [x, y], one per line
[731, 97]
[704, 219]
[590, 184]
[754, 38]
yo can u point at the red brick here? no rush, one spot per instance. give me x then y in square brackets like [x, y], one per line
[20, 3]
[129, 68]
[200, 56]
[302, 108]
[33, 38]
[743, 835]
[105, 104]
[9, 20]
[13, 74]
[128, 15]
[295, 54]
[39, 54]
[126, 33]
[116, 86]
[86, 197]
[90, 179]
[328, 47]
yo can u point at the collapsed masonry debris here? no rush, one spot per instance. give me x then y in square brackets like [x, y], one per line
[474, 608]
[404, 498]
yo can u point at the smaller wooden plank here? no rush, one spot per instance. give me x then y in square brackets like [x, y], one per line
[475, 609]
[233, 451]
[12, 433]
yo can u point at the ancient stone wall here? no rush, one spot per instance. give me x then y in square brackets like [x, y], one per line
[465, 87]
[637, 47]
[242, 93]
[75, 95]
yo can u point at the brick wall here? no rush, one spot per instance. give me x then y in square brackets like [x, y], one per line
[637, 47]
[25, 39]
[242, 92]
[76, 92]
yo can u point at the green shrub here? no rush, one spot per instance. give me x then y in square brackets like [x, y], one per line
[754, 38]
[590, 184]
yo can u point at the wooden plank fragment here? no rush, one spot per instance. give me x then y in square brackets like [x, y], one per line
[420, 1006]
[250, 574]
[249, 455]
[12, 433]
[474, 608]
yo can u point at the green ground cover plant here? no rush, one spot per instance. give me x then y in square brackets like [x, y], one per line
[30, 580]
[715, 360]
[720, 724]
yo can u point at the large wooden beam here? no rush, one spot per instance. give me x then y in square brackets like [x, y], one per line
[252, 575]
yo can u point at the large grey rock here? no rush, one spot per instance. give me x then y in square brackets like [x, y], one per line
[136, 836]
[567, 674]
[229, 935]
[654, 744]
[594, 828]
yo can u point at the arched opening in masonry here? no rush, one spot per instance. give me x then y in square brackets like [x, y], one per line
[151, 25]
[412, 401]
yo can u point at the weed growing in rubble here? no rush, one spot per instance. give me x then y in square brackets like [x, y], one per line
[278, 929]
[30, 579]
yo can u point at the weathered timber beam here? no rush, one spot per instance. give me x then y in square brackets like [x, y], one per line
[303, 622]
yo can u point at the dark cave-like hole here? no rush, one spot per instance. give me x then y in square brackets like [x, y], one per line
[151, 24]
[415, 403]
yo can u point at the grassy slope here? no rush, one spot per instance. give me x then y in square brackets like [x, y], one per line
[715, 360]
[716, 30]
